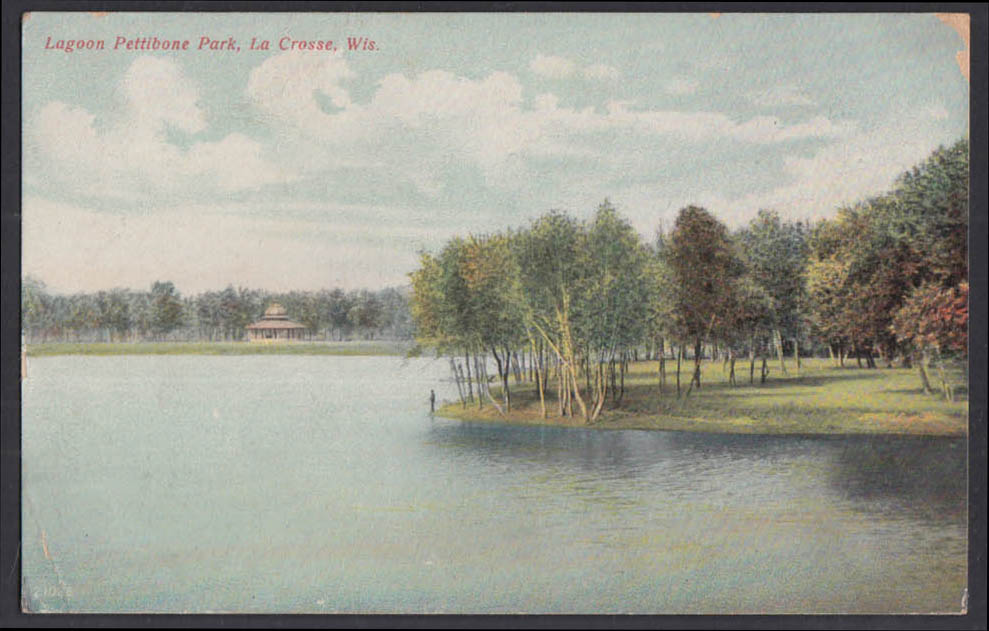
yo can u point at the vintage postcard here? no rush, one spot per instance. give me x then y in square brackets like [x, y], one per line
[514, 313]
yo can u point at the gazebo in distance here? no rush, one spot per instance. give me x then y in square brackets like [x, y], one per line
[275, 326]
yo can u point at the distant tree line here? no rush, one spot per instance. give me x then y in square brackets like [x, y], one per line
[163, 314]
[566, 304]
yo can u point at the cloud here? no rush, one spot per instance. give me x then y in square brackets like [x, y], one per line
[601, 71]
[783, 95]
[680, 86]
[203, 247]
[552, 67]
[159, 94]
[766, 129]
[283, 88]
[843, 172]
[423, 128]
[132, 156]
[701, 125]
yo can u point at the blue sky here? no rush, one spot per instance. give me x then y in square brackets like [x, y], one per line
[302, 170]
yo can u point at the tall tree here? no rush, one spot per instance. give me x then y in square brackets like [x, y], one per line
[705, 267]
[775, 254]
[167, 308]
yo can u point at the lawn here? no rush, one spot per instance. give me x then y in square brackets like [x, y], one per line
[821, 399]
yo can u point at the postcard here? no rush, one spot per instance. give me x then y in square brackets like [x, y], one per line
[511, 313]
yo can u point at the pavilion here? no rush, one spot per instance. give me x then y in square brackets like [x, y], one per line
[275, 326]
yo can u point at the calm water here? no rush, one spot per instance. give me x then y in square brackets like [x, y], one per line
[321, 484]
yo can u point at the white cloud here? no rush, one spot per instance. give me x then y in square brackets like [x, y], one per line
[937, 111]
[680, 86]
[601, 71]
[283, 87]
[782, 95]
[159, 94]
[207, 247]
[845, 171]
[445, 120]
[765, 129]
[713, 125]
[552, 67]
[132, 157]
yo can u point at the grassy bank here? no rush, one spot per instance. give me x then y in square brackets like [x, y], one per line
[820, 400]
[221, 348]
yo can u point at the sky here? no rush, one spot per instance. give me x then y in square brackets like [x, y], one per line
[308, 169]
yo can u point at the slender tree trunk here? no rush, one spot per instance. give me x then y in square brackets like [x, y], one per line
[752, 362]
[731, 362]
[470, 387]
[696, 377]
[504, 382]
[456, 378]
[949, 392]
[764, 371]
[587, 370]
[487, 390]
[537, 370]
[697, 363]
[662, 364]
[481, 380]
[679, 360]
[778, 341]
[796, 354]
[624, 368]
[516, 369]
[560, 391]
[922, 371]
[543, 366]
[614, 387]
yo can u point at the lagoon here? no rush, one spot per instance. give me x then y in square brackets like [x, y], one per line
[321, 484]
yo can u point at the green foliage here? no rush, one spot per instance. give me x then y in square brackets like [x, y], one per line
[775, 254]
[867, 263]
[120, 315]
[613, 298]
[705, 268]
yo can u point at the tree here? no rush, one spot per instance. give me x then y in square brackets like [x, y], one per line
[167, 308]
[661, 321]
[552, 267]
[114, 313]
[37, 310]
[775, 254]
[613, 302]
[934, 322]
[705, 267]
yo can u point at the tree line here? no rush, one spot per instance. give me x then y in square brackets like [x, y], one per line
[567, 304]
[163, 314]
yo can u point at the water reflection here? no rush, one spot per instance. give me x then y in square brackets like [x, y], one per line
[625, 454]
[890, 476]
[922, 478]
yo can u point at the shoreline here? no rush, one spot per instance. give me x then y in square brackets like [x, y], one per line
[821, 401]
[891, 426]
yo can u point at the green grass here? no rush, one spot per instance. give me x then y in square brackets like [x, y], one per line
[220, 348]
[820, 400]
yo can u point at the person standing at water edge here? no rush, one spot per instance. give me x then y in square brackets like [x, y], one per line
[432, 401]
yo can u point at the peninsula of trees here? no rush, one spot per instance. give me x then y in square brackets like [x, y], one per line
[566, 305]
